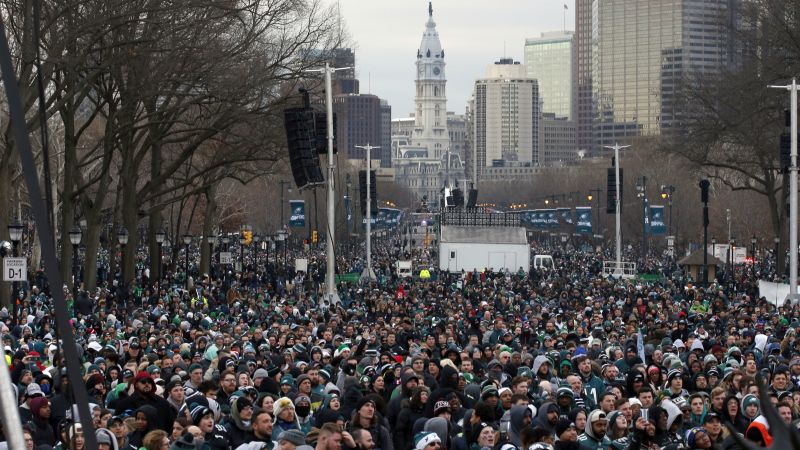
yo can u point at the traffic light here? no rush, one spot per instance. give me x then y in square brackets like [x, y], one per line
[611, 204]
[301, 141]
[321, 121]
[314, 237]
[248, 237]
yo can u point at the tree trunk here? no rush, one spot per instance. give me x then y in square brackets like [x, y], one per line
[130, 220]
[91, 240]
[5, 219]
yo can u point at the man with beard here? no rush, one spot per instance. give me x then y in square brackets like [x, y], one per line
[144, 393]
[595, 436]
[262, 430]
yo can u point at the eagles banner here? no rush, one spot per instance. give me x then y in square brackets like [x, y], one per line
[297, 219]
[382, 217]
[551, 218]
[584, 219]
[657, 225]
[565, 216]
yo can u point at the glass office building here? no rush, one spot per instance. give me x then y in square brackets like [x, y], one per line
[549, 60]
[642, 50]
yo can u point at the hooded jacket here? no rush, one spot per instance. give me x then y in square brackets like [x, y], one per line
[237, 429]
[135, 438]
[620, 443]
[515, 425]
[541, 417]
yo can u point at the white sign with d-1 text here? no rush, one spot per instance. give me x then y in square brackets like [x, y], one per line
[15, 269]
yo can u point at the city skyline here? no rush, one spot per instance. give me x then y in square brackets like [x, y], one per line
[385, 67]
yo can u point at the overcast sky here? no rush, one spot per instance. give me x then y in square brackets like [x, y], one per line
[474, 33]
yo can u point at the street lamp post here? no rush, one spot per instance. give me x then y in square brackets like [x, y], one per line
[122, 238]
[666, 193]
[753, 241]
[15, 233]
[75, 235]
[595, 194]
[242, 241]
[187, 240]
[225, 241]
[256, 244]
[289, 190]
[161, 236]
[210, 239]
[731, 248]
[777, 242]
[641, 188]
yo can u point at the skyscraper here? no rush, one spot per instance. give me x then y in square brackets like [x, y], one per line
[582, 75]
[426, 164]
[642, 50]
[506, 117]
[549, 60]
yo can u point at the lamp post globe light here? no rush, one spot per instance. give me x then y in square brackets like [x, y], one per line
[161, 236]
[75, 235]
[122, 238]
[187, 240]
[210, 240]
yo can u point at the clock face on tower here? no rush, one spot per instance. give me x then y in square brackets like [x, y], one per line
[436, 71]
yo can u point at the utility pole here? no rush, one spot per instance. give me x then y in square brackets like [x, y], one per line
[330, 275]
[793, 296]
[618, 237]
[367, 274]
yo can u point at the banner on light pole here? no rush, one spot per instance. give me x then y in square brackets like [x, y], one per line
[657, 225]
[583, 223]
[298, 217]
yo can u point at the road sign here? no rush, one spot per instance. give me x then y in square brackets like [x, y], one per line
[225, 258]
[15, 269]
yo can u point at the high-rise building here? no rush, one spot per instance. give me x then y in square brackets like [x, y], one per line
[506, 117]
[426, 165]
[582, 75]
[549, 60]
[360, 120]
[557, 146]
[642, 50]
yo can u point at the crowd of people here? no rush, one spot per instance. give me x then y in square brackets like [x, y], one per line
[559, 358]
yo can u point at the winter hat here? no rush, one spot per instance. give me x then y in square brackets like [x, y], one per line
[440, 407]
[281, 404]
[364, 400]
[260, 373]
[242, 402]
[342, 348]
[296, 437]
[37, 404]
[489, 391]
[672, 374]
[198, 412]
[691, 436]
[562, 426]
[748, 400]
[425, 438]
[299, 380]
[565, 391]
[301, 398]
